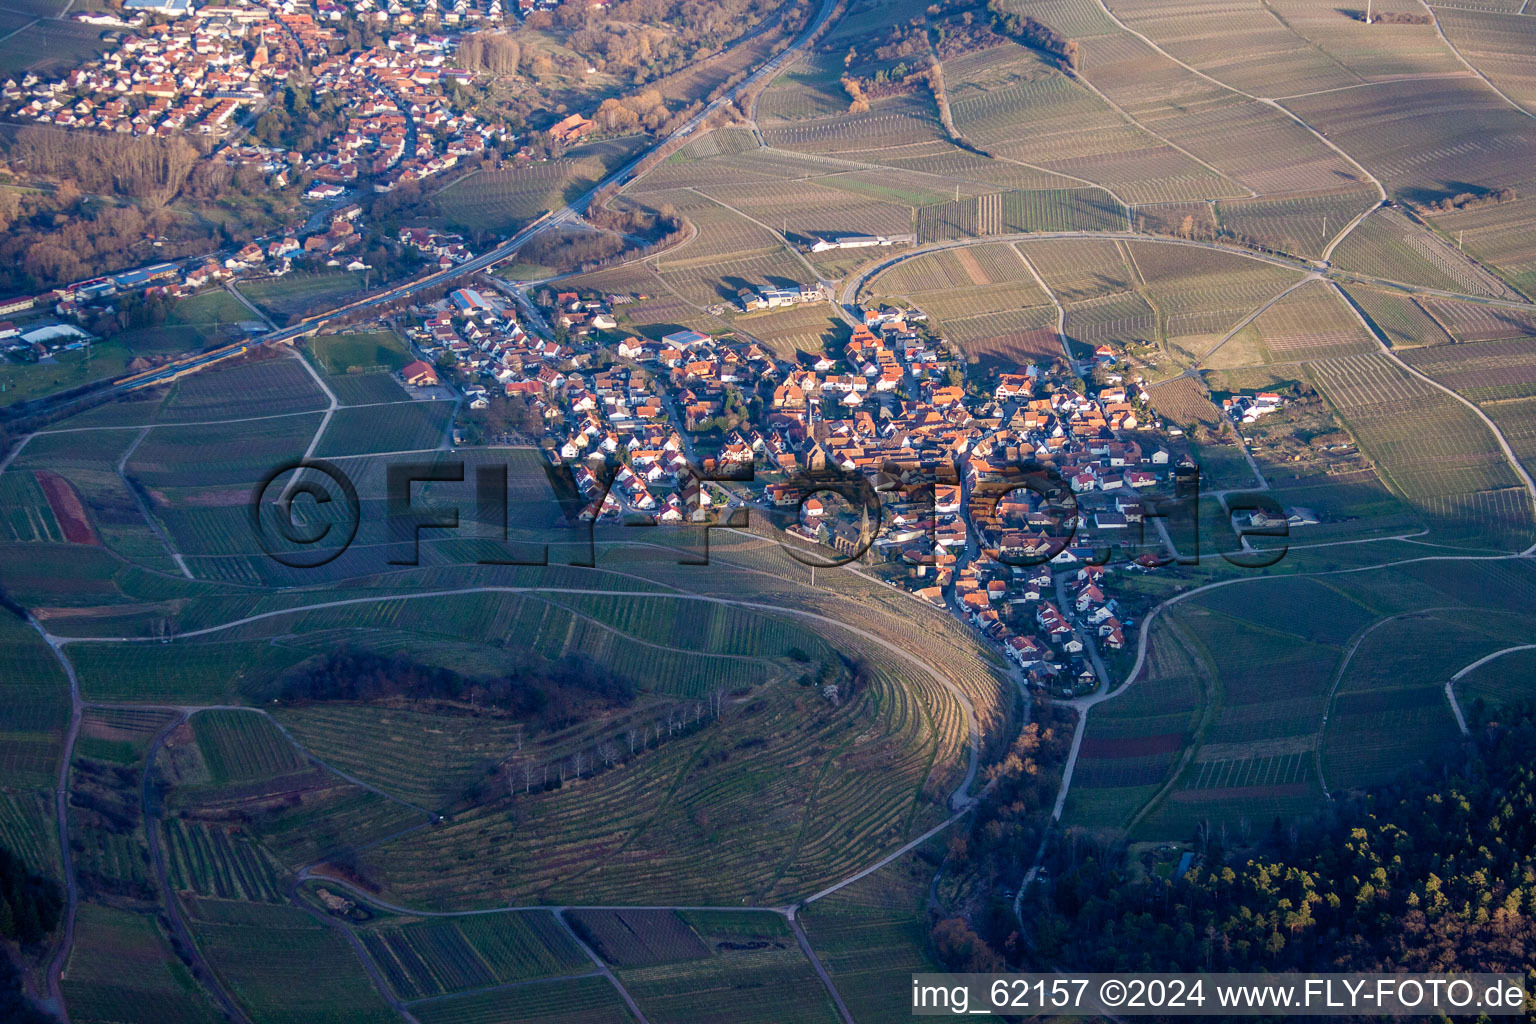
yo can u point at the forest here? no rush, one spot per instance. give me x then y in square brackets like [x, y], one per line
[1436, 872]
[30, 905]
[549, 694]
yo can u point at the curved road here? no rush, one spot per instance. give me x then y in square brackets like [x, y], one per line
[959, 800]
[853, 285]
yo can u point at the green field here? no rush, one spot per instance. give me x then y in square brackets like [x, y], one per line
[403, 426]
[294, 294]
[122, 970]
[432, 958]
[578, 1001]
[270, 958]
[340, 354]
[749, 969]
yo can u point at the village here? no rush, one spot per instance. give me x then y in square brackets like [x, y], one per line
[214, 69]
[689, 428]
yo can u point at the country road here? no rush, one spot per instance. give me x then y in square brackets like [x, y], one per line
[853, 285]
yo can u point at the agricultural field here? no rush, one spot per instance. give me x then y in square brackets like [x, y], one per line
[544, 855]
[1299, 225]
[199, 321]
[503, 201]
[122, 971]
[1419, 138]
[1502, 680]
[340, 354]
[34, 707]
[295, 294]
[1390, 704]
[1313, 321]
[1184, 401]
[1429, 448]
[400, 427]
[1132, 743]
[810, 328]
[1484, 371]
[873, 935]
[219, 862]
[216, 455]
[1404, 321]
[574, 1001]
[1387, 245]
[1498, 236]
[678, 837]
[731, 966]
[436, 957]
[270, 957]
[1251, 737]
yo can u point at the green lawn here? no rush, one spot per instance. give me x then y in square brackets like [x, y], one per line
[360, 353]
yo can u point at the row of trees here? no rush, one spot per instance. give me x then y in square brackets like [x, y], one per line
[546, 694]
[1034, 34]
[150, 168]
[524, 775]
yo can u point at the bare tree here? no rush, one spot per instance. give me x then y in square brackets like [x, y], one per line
[630, 735]
[527, 776]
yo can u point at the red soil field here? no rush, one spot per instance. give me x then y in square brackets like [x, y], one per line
[67, 508]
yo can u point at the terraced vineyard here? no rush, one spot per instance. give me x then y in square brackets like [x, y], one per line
[816, 786]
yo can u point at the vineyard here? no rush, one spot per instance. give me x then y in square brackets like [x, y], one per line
[1018, 210]
[503, 201]
[425, 959]
[237, 746]
[122, 971]
[1424, 443]
[574, 1001]
[401, 427]
[216, 861]
[1299, 225]
[1401, 319]
[636, 938]
[34, 706]
[1391, 705]
[1482, 371]
[1131, 742]
[1311, 322]
[219, 455]
[1080, 269]
[264, 387]
[738, 952]
[873, 931]
[1183, 401]
[270, 957]
[1386, 244]
[782, 800]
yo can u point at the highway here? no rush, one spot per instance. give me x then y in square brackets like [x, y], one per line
[571, 212]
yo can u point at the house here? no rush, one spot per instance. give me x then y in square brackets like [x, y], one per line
[419, 374]
[571, 128]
